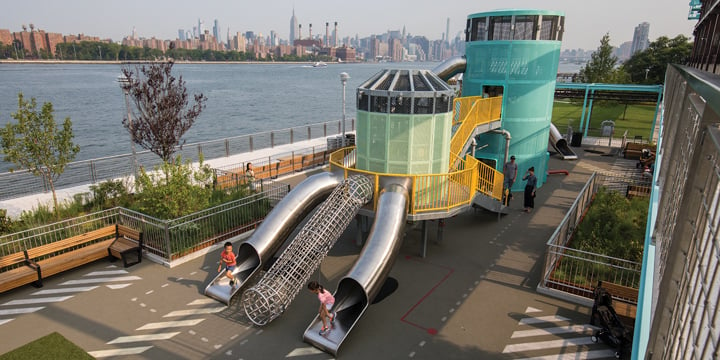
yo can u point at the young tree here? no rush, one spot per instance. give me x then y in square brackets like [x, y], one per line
[36, 144]
[160, 100]
[601, 67]
[649, 66]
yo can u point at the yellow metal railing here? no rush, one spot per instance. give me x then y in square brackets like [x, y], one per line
[471, 112]
[433, 192]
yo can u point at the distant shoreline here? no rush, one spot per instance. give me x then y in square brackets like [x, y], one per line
[117, 62]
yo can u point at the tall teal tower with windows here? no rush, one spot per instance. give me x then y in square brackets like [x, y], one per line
[515, 53]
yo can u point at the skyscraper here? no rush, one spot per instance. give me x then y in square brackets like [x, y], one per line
[216, 30]
[293, 28]
[200, 29]
[447, 31]
[181, 34]
[641, 38]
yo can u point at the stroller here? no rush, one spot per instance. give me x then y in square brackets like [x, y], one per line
[612, 332]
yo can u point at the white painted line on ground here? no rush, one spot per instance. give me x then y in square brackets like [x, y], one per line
[196, 311]
[153, 310]
[243, 342]
[133, 299]
[412, 354]
[234, 336]
[542, 319]
[169, 324]
[193, 273]
[37, 300]
[101, 280]
[217, 346]
[5, 321]
[117, 286]
[452, 310]
[149, 292]
[178, 279]
[142, 305]
[110, 266]
[422, 343]
[117, 352]
[532, 310]
[582, 329]
[552, 344]
[580, 355]
[107, 272]
[444, 318]
[64, 290]
[229, 352]
[304, 352]
[191, 332]
[259, 332]
[202, 301]
[204, 339]
[148, 337]
[164, 285]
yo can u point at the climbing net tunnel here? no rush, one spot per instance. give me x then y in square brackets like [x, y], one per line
[269, 298]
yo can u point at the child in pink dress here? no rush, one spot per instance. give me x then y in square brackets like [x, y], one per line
[326, 304]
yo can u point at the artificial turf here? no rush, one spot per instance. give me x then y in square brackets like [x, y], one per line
[637, 119]
[50, 347]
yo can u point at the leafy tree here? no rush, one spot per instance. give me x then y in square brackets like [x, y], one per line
[36, 144]
[174, 190]
[161, 101]
[601, 67]
[649, 66]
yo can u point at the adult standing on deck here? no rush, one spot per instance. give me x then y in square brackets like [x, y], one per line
[530, 187]
[510, 173]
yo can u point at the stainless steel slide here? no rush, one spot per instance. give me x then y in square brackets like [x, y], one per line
[272, 232]
[450, 67]
[360, 286]
[560, 144]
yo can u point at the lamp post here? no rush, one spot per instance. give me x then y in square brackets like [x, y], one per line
[125, 86]
[343, 79]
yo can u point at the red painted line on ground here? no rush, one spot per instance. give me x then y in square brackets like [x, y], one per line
[431, 331]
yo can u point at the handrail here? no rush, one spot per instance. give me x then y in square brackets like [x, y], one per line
[434, 192]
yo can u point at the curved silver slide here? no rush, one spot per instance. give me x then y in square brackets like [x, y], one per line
[560, 144]
[363, 282]
[272, 232]
[450, 67]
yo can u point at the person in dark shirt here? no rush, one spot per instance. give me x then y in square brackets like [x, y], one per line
[530, 187]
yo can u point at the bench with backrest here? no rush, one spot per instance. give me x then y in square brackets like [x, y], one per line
[16, 270]
[72, 252]
[624, 301]
[128, 244]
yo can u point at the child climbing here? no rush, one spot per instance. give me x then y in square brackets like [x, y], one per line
[326, 304]
[227, 258]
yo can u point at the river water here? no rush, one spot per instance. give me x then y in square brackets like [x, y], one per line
[242, 98]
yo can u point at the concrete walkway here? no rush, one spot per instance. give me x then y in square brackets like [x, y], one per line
[472, 297]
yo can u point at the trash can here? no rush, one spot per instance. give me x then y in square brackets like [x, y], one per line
[576, 140]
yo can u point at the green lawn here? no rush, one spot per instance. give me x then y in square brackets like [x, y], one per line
[637, 120]
[51, 347]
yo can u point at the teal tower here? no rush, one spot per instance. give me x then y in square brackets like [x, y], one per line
[515, 53]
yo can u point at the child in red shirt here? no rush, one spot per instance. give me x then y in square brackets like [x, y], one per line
[227, 258]
[326, 304]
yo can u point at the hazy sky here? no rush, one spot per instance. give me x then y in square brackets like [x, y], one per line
[586, 21]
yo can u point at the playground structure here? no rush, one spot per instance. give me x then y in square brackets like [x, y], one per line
[411, 163]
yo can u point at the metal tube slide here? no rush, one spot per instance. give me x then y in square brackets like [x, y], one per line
[560, 144]
[272, 232]
[273, 293]
[450, 67]
[363, 282]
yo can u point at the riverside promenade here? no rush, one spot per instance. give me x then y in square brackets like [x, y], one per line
[472, 297]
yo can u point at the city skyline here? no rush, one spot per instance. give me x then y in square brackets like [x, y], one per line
[585, 23]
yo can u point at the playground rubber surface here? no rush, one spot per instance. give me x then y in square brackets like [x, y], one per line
[472, 297]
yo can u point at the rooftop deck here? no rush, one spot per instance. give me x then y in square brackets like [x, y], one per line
[472, 297]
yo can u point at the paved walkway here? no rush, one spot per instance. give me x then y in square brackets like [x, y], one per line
[472, 297]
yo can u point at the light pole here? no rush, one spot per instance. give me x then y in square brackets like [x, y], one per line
[343, 79]
[125, 86]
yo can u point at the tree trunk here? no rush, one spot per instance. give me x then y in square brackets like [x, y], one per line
[52, 188]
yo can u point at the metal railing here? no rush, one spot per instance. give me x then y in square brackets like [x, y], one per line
[575, 271]
[167, 239]
[481, 111]
[20, 183]
[431, 192]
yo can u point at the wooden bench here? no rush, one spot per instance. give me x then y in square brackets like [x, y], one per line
[16, 270]
[69, 253]
[128, 243]
[624, 301]
[634, 150]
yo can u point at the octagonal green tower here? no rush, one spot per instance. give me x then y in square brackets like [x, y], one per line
[404, 121]
[515, 53]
